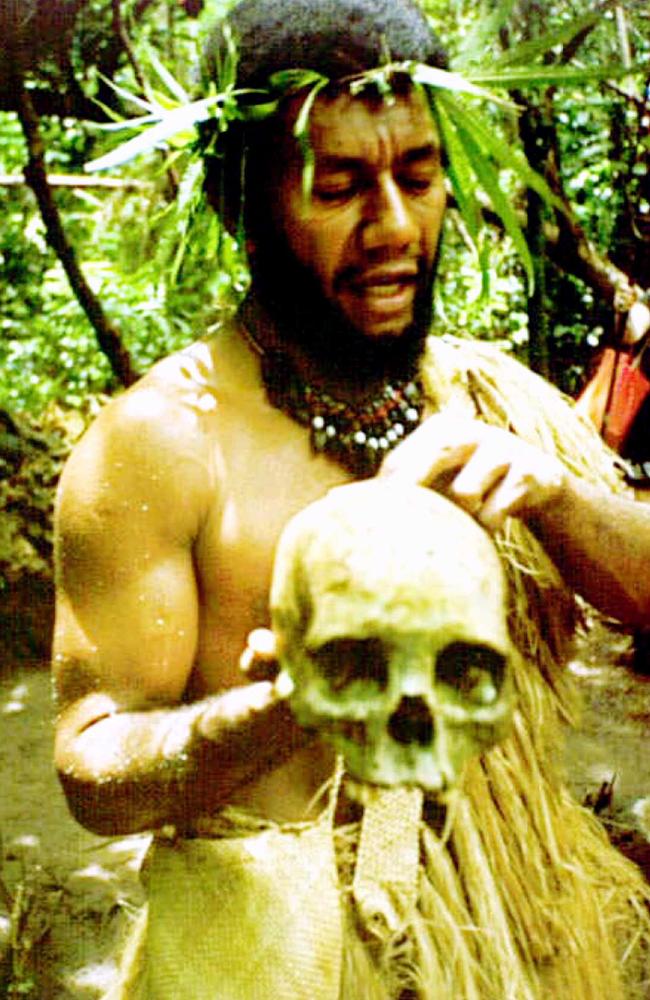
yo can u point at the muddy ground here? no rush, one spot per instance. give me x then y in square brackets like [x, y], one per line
[67, 894]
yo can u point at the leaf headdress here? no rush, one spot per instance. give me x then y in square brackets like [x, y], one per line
[477, 156]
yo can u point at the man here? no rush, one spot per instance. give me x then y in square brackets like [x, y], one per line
[171, 506]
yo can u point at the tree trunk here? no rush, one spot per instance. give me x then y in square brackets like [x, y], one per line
[108, 337]
[532, 128]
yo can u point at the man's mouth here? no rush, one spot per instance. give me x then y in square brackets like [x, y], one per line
[385, 282]
[387, 290]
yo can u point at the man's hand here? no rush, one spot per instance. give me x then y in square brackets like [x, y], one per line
[488, 471]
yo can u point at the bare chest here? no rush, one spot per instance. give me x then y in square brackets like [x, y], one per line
[265, 473]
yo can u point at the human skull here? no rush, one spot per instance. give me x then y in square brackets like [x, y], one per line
[389, 604]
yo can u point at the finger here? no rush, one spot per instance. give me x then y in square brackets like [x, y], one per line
[259, 659]
[262, 642]
[521, 491]
[476, 480]
[506, 499]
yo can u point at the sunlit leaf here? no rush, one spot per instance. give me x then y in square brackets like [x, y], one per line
[127, 95]
[441, 79]
[172, 84]
[121, 124]
[179, 120]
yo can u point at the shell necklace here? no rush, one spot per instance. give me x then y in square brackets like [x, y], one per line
[357, 434]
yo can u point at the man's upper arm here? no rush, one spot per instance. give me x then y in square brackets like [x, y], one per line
[130, 504]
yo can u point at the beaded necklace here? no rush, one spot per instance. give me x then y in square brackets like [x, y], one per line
[357, 435]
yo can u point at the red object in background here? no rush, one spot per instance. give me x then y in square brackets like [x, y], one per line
[612, 397]
[630, 389]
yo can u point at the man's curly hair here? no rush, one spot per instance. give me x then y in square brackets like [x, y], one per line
[335, 38]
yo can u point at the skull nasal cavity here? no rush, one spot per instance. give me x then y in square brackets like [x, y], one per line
[411, 722]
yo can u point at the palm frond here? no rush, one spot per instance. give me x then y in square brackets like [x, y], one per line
[478, 152]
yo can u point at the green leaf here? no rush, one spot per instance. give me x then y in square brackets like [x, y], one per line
[172, 84]
[488, 177]
[534, 48]
[257, 112]
[442, 79]
[459, 171]
[179, 120]
[287, 81]
[544, 76]
[494, 146]
[477, 153]
[461, 176]
[301, 133]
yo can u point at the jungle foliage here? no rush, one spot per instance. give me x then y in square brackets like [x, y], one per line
[93, 288]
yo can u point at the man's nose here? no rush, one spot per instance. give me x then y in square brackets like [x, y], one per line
[388, 219]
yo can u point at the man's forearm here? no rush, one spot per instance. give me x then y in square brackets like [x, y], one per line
[132, 771]
[601, 545]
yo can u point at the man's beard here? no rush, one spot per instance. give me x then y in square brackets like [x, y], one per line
[303, 316]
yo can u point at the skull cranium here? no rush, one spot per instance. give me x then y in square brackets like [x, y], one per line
[389, 604]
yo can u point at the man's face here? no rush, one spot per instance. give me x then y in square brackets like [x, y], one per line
[369, 231]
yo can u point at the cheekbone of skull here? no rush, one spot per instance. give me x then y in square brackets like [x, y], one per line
[390, 606]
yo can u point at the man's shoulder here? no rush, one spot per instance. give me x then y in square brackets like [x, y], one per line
[169, 403]
[161, 427]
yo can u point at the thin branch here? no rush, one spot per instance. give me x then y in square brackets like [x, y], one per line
[122, 34]
[78, 181]
[58, 103]
[108, 337]
[570, 249]
[640, 103]
[141, 7]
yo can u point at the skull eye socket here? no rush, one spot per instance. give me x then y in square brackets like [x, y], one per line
[475, 672]
[344, 661]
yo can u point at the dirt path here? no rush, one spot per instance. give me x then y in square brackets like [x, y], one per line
[75, 891]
